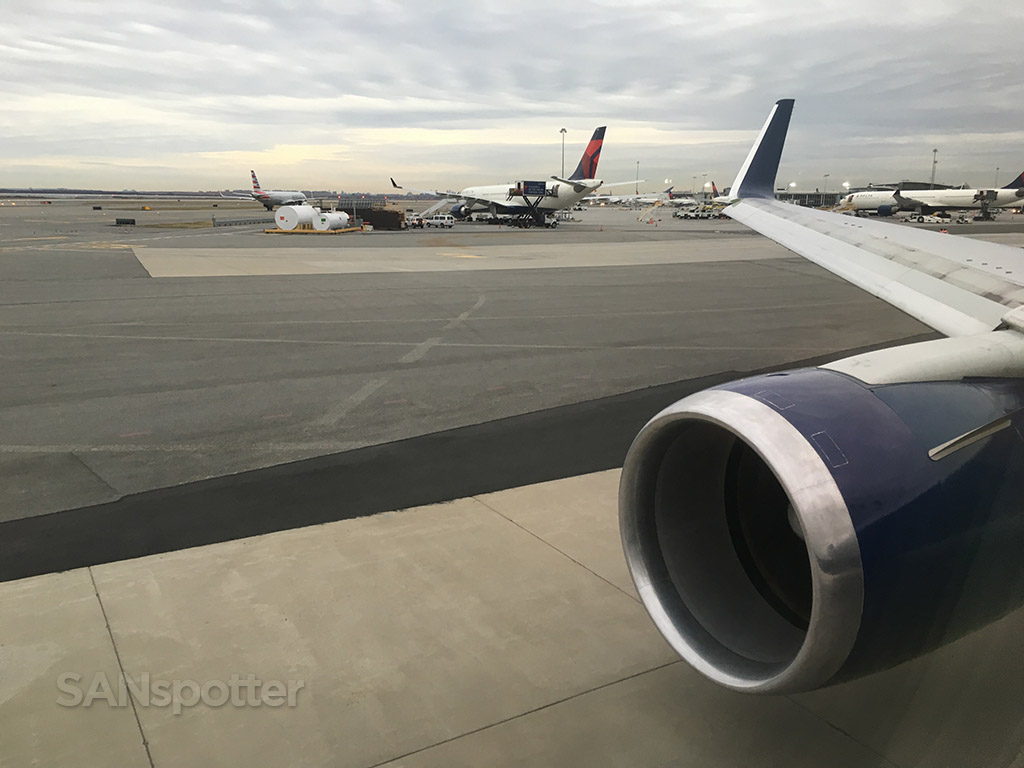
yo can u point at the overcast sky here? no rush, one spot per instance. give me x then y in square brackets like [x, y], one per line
[182, 94]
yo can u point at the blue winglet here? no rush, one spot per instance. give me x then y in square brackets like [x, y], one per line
[757, 176]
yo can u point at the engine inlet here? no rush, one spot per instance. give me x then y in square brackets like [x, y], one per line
[740, 544]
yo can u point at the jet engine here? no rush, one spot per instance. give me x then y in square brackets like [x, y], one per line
[460, 210]
[887, 210]
[794, 530]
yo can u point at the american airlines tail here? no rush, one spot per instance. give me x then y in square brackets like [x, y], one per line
[587, 168]
[255, 182]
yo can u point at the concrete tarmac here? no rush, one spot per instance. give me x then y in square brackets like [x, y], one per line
[497, 630]
[144, 415]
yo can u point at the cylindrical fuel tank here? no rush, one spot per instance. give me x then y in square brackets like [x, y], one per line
[291, 217]
[330, 221]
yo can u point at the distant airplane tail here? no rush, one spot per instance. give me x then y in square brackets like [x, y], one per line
[714, 190]
[587, 168]
[255, 182]
[1017, 183]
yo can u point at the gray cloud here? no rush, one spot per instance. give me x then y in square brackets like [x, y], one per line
[174, 85]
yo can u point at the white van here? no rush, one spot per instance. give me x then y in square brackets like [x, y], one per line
[441, 220]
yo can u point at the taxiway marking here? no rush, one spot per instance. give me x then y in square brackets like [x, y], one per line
[332, 417]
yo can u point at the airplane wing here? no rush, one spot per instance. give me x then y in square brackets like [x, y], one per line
[796, 529]
[955, 285]
[622, 184]
[434, 192]
[580, 184]
[450, 197]
[906, 202]
[446, 197]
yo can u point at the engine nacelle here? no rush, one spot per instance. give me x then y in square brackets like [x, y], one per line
[791, 531]
[460, 210]
[887, 210]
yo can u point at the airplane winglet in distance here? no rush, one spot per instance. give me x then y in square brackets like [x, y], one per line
[794, 530]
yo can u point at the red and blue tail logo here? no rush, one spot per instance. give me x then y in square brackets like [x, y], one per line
[255, 182]
[1017, 183]
[587, 168]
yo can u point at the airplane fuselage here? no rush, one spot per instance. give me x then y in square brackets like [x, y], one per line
[273, 198]
[559, 196]
[932, 199]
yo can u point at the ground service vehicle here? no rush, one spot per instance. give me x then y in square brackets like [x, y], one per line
[441, 220]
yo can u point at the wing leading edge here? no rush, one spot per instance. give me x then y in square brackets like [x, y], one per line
[958, 286]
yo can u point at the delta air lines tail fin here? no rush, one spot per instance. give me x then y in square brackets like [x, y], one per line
[1017, 183]
[587, 169]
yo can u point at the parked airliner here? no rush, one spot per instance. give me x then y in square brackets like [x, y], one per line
[886, 201]
[533, 202]
[273, 197]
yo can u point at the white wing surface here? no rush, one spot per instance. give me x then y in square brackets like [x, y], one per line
[956, 285]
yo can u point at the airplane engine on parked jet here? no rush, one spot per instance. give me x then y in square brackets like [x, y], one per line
[460, 211]
[887, 210]
[795, 530]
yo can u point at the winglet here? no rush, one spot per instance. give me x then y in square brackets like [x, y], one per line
[757, 176]
[394, 184]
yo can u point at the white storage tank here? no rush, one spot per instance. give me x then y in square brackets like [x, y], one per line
[291, 217]
[329, 221]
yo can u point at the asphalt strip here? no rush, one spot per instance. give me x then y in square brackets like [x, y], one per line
[520, 450]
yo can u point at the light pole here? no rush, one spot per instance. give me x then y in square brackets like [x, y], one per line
[824, 187]
[704, 185]
[693, 186]
[935, 161]
[996, 182]
[638, 177]
[563, 152]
